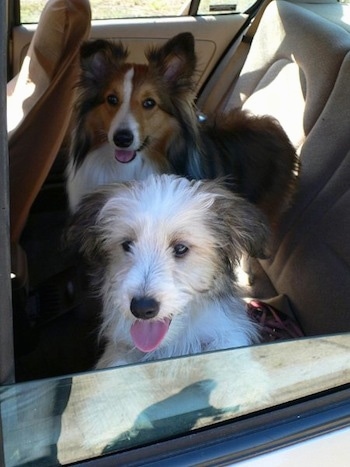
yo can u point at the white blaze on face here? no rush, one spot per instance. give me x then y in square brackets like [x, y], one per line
[124, 120]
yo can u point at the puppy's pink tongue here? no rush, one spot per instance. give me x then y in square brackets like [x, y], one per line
[124, 155]
[147, 335]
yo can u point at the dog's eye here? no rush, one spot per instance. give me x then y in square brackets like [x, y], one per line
[112, 99]
[127, 245]
[148, 103]
[180, 250]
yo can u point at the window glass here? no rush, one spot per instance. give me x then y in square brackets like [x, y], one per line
[109, 9]
[102, 9]
[223, 6]
[83, 416]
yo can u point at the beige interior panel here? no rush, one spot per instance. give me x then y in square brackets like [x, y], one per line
[213, 34]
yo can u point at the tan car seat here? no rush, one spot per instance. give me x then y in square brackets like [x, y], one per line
[39, 102]
[298, 71]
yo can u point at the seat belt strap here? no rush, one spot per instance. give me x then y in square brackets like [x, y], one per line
[226, 74]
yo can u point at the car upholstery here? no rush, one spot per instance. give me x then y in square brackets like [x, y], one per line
[298, 71]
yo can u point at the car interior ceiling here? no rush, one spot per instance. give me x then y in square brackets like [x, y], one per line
[54, 321]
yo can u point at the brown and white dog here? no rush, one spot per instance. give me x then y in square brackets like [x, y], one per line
[133, 120]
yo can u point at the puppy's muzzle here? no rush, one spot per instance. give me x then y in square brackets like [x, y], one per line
[144, 307]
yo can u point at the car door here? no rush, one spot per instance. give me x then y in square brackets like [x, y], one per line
[215, 25]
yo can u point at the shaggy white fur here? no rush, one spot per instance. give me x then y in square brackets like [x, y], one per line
[101, 168]
[165, 252]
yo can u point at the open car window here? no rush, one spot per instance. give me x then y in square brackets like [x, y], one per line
[80, 417]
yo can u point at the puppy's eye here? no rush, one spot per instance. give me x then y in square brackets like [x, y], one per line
[180, 250]
[148, 103]
[112, 99]
[127, 245]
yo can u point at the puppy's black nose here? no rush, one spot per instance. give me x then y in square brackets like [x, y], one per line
[123, 138]
[144, 307]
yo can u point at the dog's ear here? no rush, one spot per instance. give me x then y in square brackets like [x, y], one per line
[242, 227]
[82, 232]
[175, 60]
[98, 58]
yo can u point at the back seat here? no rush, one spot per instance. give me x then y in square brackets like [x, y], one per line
[298, 70]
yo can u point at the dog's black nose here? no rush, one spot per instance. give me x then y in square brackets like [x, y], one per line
[144, 307]
[123, 138]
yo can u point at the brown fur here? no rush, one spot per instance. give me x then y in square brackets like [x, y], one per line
[253, 153]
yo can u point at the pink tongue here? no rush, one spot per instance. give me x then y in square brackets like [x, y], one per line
[124, 156]
[147, 335]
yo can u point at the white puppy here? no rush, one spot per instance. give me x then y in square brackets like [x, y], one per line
[164, 253]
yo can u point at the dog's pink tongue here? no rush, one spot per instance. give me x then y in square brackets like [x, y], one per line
[124, 155]
[147, 335]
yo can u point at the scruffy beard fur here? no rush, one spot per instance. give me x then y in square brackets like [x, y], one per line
[134, 120]
[163, 254]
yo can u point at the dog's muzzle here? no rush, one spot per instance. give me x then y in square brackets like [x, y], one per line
[147, 333]
[123, 138]
[144, 307]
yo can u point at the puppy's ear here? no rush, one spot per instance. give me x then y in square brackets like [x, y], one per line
[82, 233]
[175, 61]
[99, 58]
[242, 227]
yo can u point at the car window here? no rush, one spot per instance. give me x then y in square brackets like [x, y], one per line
[77, 417]
[101, 9]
